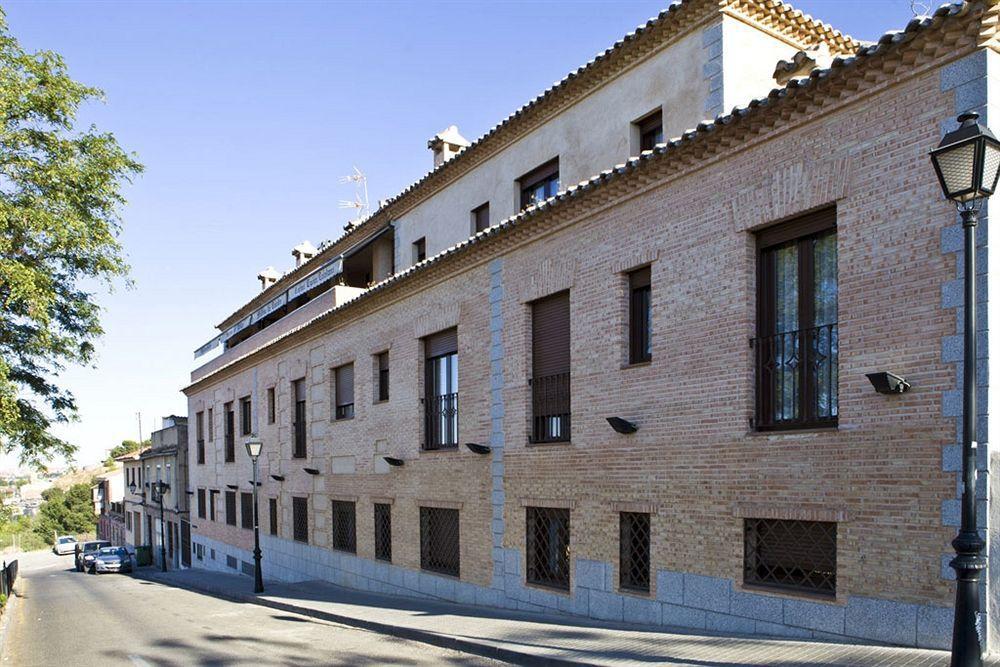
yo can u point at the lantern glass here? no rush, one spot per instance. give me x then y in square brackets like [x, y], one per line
[991, 167]
[254, 447]
[957, 165]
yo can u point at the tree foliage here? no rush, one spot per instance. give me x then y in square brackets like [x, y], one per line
[127, 447]
[65, 512]
[60, 207]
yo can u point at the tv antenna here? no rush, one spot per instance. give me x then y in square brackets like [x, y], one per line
[919, 8]
[360, 201]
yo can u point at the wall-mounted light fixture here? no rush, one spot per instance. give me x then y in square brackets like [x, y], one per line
[622, 426]
[394, 462]
[888, 383]
[278, 478]
[311, 471]
[232, 486]
[478, 449]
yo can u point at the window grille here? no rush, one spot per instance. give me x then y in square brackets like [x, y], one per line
[231, 561]
[791, 554]
[247, 568]
[300, 519]
[439, 540]
[246, 509]
[201, 503]
[272, 506]
[344, 528]
[550, 369]
[441, 390]
[299, 419]
[633, 551]
[547, 547]
[383, 531]
[270, 405]
[230, 433]
[231, 508]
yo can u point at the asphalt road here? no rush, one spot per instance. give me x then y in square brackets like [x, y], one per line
[71, 618]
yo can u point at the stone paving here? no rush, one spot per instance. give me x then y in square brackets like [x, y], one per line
[525, 638]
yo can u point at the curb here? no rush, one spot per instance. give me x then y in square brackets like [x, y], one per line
[422, 636]
[13, 602]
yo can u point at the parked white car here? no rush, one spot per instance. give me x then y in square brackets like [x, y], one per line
[65, 544]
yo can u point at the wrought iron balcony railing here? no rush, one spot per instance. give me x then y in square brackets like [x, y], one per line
[441, 422]
[550, 405]
[797, 374]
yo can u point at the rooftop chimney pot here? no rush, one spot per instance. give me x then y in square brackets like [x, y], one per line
[446, 144]
[303, 252]
[268, 277]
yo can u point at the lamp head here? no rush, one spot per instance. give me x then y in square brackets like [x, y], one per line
[967, 161]
[254, 447]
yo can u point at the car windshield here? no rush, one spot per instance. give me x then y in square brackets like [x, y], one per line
[109, 551]
[94, 546]
[66, 540]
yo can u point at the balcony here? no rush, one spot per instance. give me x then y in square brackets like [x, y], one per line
[441, 422]
[550, 406]
[797, 373]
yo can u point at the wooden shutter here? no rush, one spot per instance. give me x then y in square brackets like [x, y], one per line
[550, 335]
[345, 384]
[440, 344]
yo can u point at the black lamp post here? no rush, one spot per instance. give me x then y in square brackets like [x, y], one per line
[159, 487]
[254, 445]
[967, 162]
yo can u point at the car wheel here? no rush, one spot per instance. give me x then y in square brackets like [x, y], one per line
[93, 569]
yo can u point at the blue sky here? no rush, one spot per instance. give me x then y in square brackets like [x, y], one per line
[246, 114]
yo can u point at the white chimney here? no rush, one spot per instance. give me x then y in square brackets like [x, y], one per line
[268, 277]
[446, 144]
[303, 252]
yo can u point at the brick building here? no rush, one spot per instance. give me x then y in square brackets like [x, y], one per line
[433, 388]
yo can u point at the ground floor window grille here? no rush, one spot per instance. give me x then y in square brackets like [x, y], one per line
[383, 531]
[547, 547]
[791, 554]
[344, 529]
[439, 540]
[633, 551]
[232, 562]
[300, 519]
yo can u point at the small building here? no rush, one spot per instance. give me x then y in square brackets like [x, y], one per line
[152, 520]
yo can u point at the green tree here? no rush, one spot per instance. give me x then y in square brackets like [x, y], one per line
[65, 512]
[60, 218]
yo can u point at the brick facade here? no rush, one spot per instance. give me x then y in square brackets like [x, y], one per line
[695, 464]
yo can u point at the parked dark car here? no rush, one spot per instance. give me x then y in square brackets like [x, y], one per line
[111, 559]
[85, 552]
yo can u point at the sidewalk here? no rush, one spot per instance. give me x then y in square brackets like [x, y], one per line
[524, 638]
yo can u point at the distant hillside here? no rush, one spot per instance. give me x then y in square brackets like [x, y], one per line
[81, 476]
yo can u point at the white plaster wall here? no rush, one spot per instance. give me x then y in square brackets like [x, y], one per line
[749, 56]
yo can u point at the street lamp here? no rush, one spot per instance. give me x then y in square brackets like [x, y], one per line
[254, 445]
[967, 162]
[159, 487]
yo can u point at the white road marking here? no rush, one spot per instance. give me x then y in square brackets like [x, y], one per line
[138, 661]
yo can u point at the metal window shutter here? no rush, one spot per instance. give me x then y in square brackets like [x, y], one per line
[550, 335]
[804, 225]
[345, 384]
[440, 344]
[639, 278]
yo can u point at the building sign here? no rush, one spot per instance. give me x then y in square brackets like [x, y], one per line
[327, 272]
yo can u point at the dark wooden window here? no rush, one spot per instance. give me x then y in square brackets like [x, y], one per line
[344, 536]
[211, 425]
[539, 184]
[343, 392]
[640, 316]
[480, 218]
[300, 518]
[382, 377]
[211, 503]
[419, 250]
[246, 416]
[547, 546]
[797, 345]
[230, 433]
[633, 551]
[651, 130]
[299, 419]
[201, 503]
[270, 405]
[791, 554]
[550, 362]
[246, 510]
[231, 508]
[199, 420]
[441, 390]
[383, 531]
[439, 540]
[272, 508]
